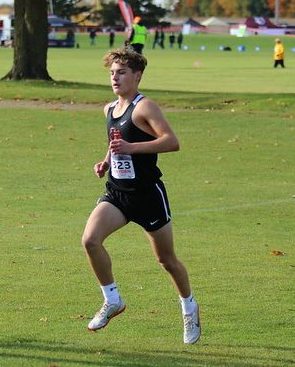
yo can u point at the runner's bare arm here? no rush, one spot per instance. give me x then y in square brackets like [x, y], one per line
[102, 167]
[148, 117]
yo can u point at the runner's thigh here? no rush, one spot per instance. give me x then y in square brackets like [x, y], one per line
[104, 220]
[162, 242]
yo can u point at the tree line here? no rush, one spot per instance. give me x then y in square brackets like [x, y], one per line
[108, 13]
[234, 8]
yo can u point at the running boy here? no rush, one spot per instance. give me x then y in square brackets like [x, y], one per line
[137, 132]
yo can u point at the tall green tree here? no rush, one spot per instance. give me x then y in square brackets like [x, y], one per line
[67, 8]
[109, 15]
[259, 8]
[30, 41]
[242, 8]
[187, 8]
[203, 8]
[148, 10]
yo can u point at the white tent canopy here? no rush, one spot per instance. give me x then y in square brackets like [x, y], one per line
[214, 22]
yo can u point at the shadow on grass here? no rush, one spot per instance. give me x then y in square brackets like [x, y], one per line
[52, 83]
[33, 351]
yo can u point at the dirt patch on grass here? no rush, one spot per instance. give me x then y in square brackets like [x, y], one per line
[48, 105]
[70, 106]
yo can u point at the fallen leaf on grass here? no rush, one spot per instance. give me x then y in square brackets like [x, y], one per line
[277, 253]
[235, 139]
[78, 317]
[197, 64]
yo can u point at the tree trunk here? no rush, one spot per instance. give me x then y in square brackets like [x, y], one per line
[30, 41]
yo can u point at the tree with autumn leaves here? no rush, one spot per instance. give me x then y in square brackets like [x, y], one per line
[287, 7]
[234, 8]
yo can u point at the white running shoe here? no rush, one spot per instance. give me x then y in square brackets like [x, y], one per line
[105, 314]
[192, 327]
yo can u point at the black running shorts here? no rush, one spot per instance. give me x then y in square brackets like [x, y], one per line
[148, 208]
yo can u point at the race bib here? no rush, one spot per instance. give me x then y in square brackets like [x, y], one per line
[122, 166]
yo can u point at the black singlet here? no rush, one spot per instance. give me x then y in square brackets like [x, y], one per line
[136, 171]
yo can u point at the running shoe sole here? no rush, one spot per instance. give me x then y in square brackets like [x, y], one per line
[109, 319]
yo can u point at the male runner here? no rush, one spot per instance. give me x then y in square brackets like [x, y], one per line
[137, 131]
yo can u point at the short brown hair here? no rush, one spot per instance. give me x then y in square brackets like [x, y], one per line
[126, 56]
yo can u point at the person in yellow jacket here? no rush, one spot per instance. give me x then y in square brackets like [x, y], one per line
[138, 35]
[279, 53]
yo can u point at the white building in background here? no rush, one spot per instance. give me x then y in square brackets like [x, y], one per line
[5, 29]
[6, 9]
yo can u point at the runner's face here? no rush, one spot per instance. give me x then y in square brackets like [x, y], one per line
[123, 79]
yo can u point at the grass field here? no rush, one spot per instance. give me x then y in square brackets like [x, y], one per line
[197, 71]
[231, 188]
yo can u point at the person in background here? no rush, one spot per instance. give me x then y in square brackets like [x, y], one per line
[172, 39]
[180, 39]
[70, 37]
[111, 38]
[138, 35]
[92, 36]
[279, 53]
[162, 38]
[156, 37]
[137, 132]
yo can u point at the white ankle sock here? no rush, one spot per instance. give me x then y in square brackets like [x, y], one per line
[188, 305]
[110, 293]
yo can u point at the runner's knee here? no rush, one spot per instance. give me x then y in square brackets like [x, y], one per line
[170, 264]
[89, 242]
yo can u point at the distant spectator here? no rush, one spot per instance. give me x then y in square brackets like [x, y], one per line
[138, 35]
[156, 37]
[92, 36]
[162, 38]
[279, 53]
[111, 38]
[172, 40]
[180, 39]
[70, 36]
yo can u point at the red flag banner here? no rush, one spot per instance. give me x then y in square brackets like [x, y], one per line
[126, 12]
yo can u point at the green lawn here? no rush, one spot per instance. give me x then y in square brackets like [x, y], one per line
[172, 69]
[231, 189]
